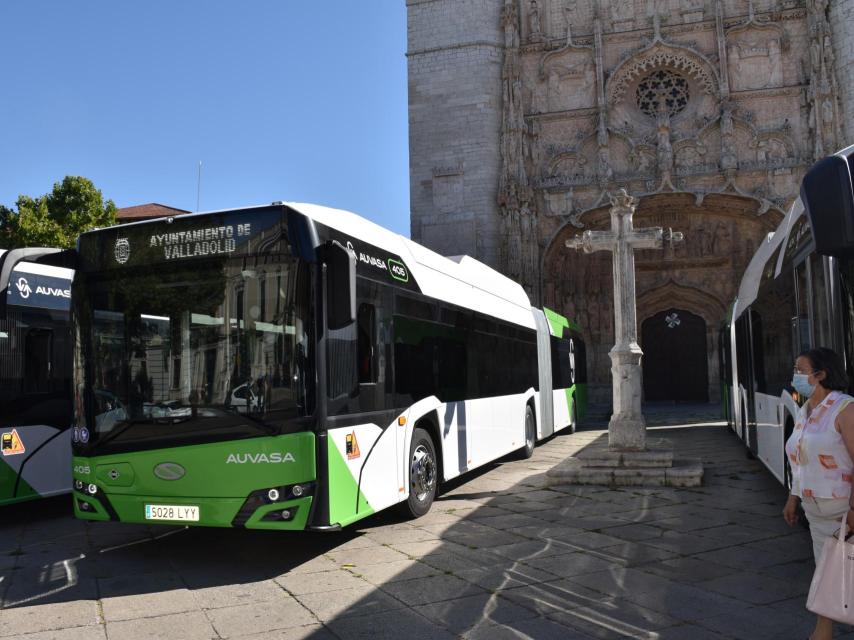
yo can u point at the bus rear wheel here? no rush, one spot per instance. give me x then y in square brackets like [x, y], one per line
[423, 475]
[530, 434]
[573, 426]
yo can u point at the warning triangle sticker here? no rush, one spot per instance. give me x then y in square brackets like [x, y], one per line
[11, 443]
[352, 446]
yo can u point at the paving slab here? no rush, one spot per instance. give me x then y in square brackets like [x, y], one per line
[438, 588]
[390, 624]
[192, 626]
[344, 603]
[260, 617]
[48, 617]
[473, 612]
[70, 633]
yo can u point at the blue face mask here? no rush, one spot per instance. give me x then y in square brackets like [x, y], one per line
[799, 382]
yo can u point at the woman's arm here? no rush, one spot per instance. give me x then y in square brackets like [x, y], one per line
[790, 511]
[845, 426]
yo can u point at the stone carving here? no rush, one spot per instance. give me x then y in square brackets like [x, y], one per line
[754, 52]
[570, 82]
[771, 150]
[662, 85]
[570, 74]
[729, 159]
[519, 248]
[448, 192]
[642, 159]
[823, 115]
[664, 148]
[690, 154]
[622, 14]
[756, 64]
[560, 203]
[662, 56]
[571, 165]
[534, 24]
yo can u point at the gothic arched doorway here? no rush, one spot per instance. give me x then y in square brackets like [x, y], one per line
[675, 358]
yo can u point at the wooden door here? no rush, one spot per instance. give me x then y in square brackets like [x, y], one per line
[675, 359]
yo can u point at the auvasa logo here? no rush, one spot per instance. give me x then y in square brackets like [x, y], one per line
[122, 250]
[259, 458]
[24, 288]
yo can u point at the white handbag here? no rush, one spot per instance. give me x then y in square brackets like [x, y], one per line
[832, 589]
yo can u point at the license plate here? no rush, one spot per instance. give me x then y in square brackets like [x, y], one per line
[180, 513]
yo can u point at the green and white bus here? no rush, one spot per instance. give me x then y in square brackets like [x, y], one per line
[293, 366]
[35, 378]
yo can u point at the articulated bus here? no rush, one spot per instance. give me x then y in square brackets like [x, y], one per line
[297, 367]
[35, 381]
[797, 293]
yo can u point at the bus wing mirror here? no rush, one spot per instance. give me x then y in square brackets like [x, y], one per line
[340, 286]
[827, 192]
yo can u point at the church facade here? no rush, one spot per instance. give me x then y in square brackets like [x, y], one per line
[526, 114]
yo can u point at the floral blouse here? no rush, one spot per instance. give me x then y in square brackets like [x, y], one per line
[821, 464]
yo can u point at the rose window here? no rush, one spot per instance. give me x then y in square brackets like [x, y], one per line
[666, 86]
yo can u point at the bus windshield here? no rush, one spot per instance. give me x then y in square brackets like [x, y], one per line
[170, 355]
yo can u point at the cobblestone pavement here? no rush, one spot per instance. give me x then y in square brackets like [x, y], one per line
[499, 556]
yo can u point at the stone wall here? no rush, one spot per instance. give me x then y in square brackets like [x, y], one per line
[842, 24]
[455, 53]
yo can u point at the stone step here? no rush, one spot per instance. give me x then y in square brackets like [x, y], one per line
[682, 473]
[657, 455]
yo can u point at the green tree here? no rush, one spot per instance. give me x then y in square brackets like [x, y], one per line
[57, 218]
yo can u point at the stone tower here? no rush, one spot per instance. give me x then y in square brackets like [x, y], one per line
[525, 114]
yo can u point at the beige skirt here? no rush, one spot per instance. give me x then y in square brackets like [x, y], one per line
[824, 515]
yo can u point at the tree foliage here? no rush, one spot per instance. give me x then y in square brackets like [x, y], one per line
[57, 218]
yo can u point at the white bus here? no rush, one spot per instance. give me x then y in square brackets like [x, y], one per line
[292, 366]
[35, 379]
[796, 294]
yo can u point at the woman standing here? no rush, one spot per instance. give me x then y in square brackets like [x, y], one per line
[820, 451]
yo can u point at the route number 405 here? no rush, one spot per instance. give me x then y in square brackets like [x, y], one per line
[82, 470]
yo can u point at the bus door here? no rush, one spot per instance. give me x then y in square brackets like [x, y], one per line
[748, 336]
[34, 439]
[725, 369]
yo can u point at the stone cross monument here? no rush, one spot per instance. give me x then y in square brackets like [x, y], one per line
[627, 428]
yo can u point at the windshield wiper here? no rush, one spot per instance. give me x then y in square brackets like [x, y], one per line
[266, 427]
[112, 435]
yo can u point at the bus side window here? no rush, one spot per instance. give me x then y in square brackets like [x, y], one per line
[37, 358]
[367, 337]
[802, 318]
[820, 303]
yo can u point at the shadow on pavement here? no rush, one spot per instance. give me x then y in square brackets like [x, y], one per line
[502, 556]
[46, 556]
[499, 556]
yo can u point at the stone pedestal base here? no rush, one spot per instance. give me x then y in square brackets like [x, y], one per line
[651, 467]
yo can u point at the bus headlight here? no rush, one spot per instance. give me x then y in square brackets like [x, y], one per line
[273, 495]
[297, 490]
[92, 489]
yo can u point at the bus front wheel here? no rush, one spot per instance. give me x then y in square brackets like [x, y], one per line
[423, 475]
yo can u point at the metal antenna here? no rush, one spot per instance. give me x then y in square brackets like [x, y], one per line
[199, 186]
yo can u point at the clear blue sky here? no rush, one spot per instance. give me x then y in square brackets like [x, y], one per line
[279, 99]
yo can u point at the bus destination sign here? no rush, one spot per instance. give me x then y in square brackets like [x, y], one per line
[217, 235]
[200, 242]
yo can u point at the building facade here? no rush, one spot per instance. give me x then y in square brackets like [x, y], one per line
[525, 114]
